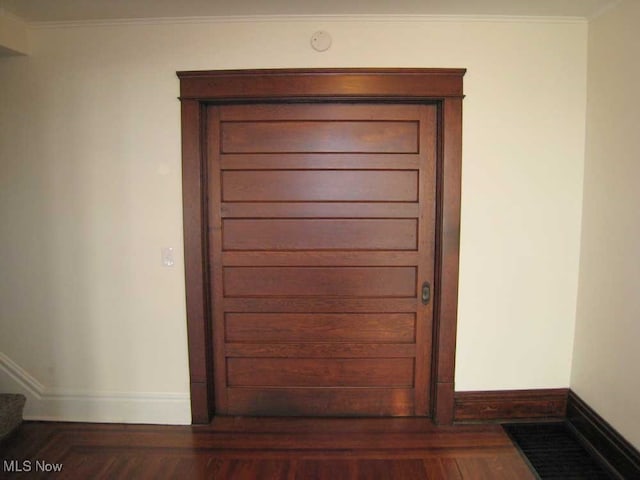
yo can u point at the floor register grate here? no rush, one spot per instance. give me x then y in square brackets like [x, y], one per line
[554, 452]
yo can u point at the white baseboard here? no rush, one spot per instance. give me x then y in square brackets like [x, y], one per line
[54, 404]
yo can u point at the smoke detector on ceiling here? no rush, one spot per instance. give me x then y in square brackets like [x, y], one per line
[320, 41]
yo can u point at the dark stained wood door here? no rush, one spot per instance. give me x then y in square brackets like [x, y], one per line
[322, 233]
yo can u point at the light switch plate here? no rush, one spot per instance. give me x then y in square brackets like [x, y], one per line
[168, 259]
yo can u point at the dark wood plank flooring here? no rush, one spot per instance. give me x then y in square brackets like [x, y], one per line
[267, 448]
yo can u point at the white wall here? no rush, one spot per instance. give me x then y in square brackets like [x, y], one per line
[90, 192]
[606, 366]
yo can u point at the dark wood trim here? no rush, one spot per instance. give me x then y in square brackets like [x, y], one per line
[442, 87]
[444, 397]
[447, 255]
[195, 260]
[332, 83]
[506, 405]
[601, 439]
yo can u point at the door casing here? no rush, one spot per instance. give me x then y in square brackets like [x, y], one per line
[442, 87]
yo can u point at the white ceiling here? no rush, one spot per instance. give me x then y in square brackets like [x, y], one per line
[79, 10]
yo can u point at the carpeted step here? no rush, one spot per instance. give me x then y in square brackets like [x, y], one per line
[11, 406]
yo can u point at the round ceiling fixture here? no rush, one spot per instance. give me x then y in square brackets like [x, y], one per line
[320, 41]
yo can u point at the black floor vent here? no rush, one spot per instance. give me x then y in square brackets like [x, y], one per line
[554, 452]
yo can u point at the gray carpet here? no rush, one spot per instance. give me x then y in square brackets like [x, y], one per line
[11, 407]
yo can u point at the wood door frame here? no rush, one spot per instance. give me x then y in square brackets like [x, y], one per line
[442, 87]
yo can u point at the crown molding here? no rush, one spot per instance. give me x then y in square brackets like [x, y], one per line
[12, 16]
[311, 18]
[605, 9]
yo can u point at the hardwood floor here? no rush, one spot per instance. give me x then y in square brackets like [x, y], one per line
[265, 448]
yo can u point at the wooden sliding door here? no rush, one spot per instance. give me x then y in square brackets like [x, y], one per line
[321, 246]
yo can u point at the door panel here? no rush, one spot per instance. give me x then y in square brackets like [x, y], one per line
[332, 402]
[322, 232]
[324, 136]
[319, 186]
[319, 234]
[319, 161]
[319, 281]
[324, 210]
[320, 327]
[320, 372]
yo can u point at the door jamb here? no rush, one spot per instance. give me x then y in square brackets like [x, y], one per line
[442, 87]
